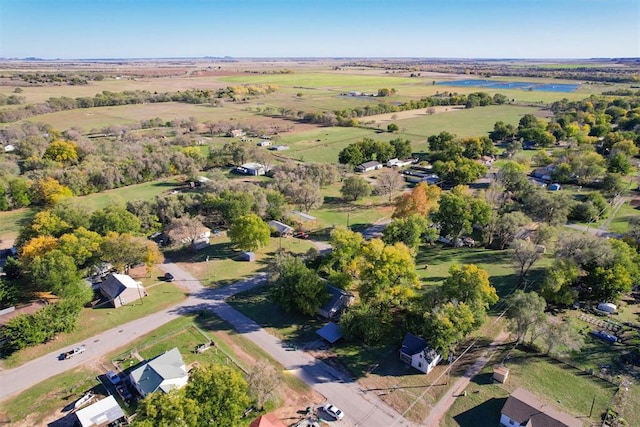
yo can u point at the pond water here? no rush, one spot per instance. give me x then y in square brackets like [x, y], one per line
[493, 84]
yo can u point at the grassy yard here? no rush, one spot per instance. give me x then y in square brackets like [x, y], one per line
[94, 321]
[11, 222]
[557, 383]
[440, 258]
[48, 399]
[621, 223]
[120, 196]
[224, 267]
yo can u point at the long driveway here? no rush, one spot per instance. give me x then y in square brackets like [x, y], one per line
[360, 409]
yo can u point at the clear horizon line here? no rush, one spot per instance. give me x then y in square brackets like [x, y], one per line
[35, 58]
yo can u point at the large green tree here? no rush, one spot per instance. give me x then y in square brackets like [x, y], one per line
[354, 188]
[116, 219]
[167, 410]
[459, 211]
[470, 284]
[222, 395]
[408, 230]
[298, 288]
[448, 324]
[249, 232]
[387, 274]
[525, 309]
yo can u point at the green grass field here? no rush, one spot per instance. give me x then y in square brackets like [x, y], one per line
[557, 383]
[120, 196]
[11, 222]
[224, 267]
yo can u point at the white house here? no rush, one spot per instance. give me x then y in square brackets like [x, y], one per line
[523, 409]
[282, 229]
[396, 163]
[369, 166]
[251, 169]
[416, 353]
[120, 289]
[164, 372]
[264, 143]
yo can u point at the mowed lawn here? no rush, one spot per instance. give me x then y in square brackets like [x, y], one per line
[219, 265]
[11, 222]
[558, 384]
[433, 264]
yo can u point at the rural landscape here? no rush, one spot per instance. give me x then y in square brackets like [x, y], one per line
[321, 241]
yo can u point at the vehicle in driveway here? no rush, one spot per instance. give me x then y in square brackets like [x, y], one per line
[333, 411]
[169, 277]
[605, 336]
[114, 378]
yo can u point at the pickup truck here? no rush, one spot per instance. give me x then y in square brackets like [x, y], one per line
[69, 354]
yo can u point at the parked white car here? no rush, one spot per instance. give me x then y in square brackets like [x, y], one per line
[333, 411]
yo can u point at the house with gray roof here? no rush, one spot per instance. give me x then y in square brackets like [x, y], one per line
[164, 372]
[369, 166]
[120, 289]
[338, 302]
[416, 353]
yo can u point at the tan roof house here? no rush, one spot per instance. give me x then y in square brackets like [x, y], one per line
[523, 409]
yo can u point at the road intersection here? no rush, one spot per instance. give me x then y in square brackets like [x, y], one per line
[360, 408]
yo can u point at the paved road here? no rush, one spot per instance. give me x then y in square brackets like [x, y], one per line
[13, 381]
[360, 408]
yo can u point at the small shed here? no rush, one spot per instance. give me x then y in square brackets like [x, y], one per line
[247, 256]
[607, 307]
[500, 373]
[330, 332]
[101, 413]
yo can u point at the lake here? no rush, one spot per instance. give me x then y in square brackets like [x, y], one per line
[493, 84]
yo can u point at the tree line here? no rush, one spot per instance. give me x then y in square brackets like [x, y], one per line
[108, 99]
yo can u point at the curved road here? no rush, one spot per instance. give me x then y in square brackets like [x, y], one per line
[360, 409]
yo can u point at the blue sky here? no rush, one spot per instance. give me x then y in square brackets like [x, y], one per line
[320, 28]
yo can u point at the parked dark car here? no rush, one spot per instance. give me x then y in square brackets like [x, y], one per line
[605, 336]
[169, 277]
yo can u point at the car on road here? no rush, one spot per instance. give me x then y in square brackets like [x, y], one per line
[333, 411]
[169, 277]
[69, 354]
[114, 378]
[301, 235]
